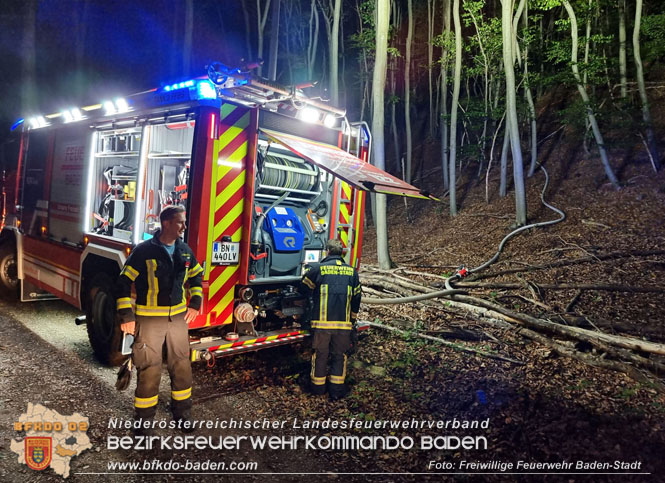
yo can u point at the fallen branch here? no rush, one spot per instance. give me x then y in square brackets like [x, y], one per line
[575, 261]
[460, 347]
[563, 286]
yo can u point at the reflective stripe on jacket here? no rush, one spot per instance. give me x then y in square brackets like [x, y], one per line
[159, 280]
[336, 293]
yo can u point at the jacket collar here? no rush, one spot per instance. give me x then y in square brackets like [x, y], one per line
[155, 240]
[330, 258]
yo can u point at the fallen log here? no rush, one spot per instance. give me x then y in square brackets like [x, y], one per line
[571, 332]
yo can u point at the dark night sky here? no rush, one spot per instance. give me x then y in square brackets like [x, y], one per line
[128, 46]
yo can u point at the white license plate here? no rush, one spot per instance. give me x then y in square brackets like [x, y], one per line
[225, 253]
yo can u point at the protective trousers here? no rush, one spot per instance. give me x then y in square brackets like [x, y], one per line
[333, 343]
[152, 333]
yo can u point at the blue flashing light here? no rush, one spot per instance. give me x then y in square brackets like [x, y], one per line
[206, 90]
[179, 85]
[17, 124]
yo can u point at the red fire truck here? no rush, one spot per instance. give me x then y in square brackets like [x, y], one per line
[266, 174]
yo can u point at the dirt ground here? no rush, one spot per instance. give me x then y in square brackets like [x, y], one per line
[549, 408]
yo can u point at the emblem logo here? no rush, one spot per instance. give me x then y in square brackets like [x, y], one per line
[38, 452]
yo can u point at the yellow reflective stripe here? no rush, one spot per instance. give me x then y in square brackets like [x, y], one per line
[336, 379]
[160, 309]
[309, 283]
[153, 284]
[318, 381]
[194, 291]
[181, 395]
[348, 303]
[323, 303]
[328, 324]
[357, 290]
[124, 303]
[130, 272]
[193, 272]
[145, 402]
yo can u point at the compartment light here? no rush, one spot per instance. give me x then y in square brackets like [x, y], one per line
[89, 192]
[308, 114]
[329, 120]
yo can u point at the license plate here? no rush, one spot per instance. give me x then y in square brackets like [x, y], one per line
[225, 253]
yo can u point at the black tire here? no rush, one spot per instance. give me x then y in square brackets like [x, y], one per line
[9, 281]
[103, 330]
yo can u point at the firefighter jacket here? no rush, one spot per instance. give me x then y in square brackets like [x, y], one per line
[159, 280]
[335, 290]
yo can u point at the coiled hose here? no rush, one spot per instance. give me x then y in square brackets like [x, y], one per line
[450, 289]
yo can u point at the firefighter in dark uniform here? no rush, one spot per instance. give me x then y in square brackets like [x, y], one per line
[159, 268]
[335, 291]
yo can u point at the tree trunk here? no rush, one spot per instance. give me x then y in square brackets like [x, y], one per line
[313, 43]
[379, 158]
[453, 110]
[530, 103]
[590, 114]
[431, 7]
[511, 112]
[503, 183]
[622, 50]
[407, 91]
[261, 18]
[187, 38]
[444, 94]
[274, 40]
[28, 56]
[639, 74]
[334, 54]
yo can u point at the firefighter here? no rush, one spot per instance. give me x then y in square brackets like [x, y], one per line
[159, 268]
[335, 291]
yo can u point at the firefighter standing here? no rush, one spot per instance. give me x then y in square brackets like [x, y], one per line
[335, 290]
[159, 269]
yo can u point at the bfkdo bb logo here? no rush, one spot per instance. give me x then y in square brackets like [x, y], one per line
[38, 452]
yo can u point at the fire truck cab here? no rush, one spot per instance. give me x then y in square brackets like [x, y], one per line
[266, 175]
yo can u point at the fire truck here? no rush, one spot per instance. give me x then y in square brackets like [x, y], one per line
[267, 175]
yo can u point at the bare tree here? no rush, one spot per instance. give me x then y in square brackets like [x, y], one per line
[261, 19]
[585, 97]
[445, 145]
[639, 74]
[407, 91]
[622, 49]
[511, 111]
[457, 79]
[379, 151]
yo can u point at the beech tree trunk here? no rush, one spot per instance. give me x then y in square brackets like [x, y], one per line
[639, 74]
[407, 91]
[379, 152]
[511, 111]
[580, 87]
[453, 111]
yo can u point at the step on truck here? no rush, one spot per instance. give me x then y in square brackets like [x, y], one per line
[266, 175]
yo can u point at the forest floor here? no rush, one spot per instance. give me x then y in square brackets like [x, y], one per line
[550, 408]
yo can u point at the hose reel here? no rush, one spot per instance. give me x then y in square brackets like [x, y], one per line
[280, 175]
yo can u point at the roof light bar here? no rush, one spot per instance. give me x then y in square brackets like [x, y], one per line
[37, 122]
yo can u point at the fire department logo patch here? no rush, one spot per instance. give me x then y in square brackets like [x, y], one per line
[38, 452]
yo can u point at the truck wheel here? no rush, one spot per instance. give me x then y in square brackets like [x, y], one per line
[103, 331]
[8, 271]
